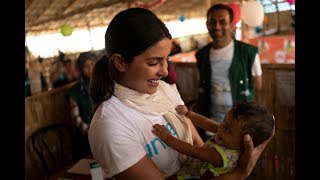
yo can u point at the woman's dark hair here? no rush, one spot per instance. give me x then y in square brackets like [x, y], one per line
[258, 122]
[217, 7]
[129, 34]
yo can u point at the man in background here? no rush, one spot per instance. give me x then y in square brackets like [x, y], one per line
[230, 70]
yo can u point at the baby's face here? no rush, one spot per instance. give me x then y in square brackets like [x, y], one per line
[229, 133]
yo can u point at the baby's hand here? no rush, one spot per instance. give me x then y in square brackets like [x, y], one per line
[182, 109]
[161, 131]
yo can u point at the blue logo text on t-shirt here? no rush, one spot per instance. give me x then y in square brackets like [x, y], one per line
[151, 147]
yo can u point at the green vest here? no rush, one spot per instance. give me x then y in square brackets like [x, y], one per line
[240, 75]
[84, 102]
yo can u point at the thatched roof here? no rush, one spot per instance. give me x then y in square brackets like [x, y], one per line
[44, 16]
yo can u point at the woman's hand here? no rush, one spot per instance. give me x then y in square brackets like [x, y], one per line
[250, 155]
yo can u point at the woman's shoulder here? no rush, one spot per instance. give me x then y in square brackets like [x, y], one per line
[110, 106]
[112, 115]
[108, 114]
[112, 111]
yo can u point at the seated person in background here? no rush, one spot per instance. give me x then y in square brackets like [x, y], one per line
[59, 75]
[81, 103]
[71, 71]
[34, 80]
[221, 152]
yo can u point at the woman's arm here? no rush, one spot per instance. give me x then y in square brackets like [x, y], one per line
[143, 169]
[146, 168]
[206, 154]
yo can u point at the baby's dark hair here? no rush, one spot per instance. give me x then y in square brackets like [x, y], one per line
[257, 121]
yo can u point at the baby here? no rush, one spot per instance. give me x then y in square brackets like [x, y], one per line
[221, 152]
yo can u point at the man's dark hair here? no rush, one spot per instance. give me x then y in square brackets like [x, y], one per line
[217, 7]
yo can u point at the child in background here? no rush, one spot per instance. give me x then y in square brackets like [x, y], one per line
[221, 152]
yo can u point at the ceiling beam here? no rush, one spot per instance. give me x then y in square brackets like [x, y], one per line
[44, 9]
[78, 11]
[71, 2]
[28, 3]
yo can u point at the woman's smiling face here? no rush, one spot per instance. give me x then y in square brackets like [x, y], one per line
[144, 73]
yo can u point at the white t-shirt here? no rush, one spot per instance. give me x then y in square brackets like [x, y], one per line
[220, 61]
[120, 136]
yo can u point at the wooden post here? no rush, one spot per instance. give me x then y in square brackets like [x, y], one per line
[278, 17]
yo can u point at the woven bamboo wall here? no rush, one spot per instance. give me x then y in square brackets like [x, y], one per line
[278, 94]
[187, 81]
